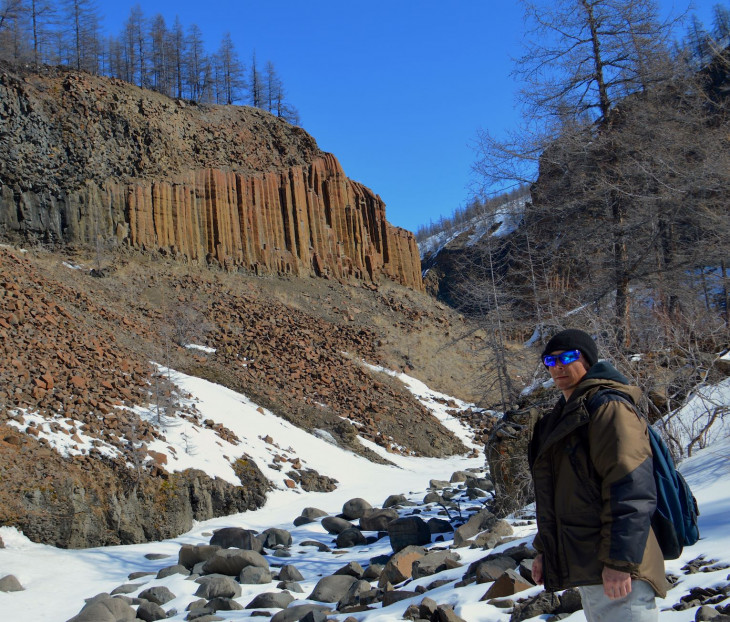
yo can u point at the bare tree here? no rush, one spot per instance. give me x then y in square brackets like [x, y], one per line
[275, 96]
[82, 23]
[583, 57]
[230, 70]
[41, 15]
[161, 71]
[135, 36]
[256, 84]
[195, 62]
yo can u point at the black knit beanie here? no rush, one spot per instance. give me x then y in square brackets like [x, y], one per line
[574, 339]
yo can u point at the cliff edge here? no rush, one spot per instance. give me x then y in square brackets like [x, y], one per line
[89, 159]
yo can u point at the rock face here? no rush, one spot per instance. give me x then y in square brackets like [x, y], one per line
[229, 185]
[84, 502]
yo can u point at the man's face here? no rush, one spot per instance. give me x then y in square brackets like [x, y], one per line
[567, 377]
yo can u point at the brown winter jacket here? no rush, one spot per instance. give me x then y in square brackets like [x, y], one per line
[594, 488]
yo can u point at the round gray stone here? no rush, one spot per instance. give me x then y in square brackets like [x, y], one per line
[253, 575]
[158, 594]
[231, 561]
[349, 538]
[355, 508]
[150, 612]
[271, 600]
[332, 589]
[335, 524]
[10, 583]
[219, 585]
[236, 537]
[290, 573]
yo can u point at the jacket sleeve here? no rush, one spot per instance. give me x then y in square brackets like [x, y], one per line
[621, 455]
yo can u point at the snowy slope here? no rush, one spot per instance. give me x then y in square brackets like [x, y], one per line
[57, 581]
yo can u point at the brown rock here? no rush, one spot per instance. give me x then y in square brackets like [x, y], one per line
[399, 567]
[509, 583]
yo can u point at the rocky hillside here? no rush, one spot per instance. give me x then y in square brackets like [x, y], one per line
[95, 161]
[76, 354]
[141, 225]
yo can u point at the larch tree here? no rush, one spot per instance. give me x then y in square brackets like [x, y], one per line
[256, 84]
[81, 19]
[582, 59]
[230, 71]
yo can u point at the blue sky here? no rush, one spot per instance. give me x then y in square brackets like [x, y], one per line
[396, 89]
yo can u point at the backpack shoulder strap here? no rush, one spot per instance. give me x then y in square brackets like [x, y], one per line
[602, 396]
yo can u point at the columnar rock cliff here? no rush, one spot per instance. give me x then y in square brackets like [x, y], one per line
[89, 159]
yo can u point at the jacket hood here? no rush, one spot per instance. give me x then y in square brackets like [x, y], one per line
[603, 374]
[603, 370]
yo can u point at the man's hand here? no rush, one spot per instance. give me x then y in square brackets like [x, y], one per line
[616, 584]
[537, 569]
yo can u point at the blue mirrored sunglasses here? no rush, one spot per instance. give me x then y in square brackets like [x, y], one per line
[565, 358]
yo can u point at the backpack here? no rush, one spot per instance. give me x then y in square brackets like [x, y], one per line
[675, 520]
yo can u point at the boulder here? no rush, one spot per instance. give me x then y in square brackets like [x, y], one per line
[150, 612]
[408, 531]
[377, 520]
[335, 525]
[445, 613]
[10, 583]
[458, 476]
[373, 571]
[433, 562]
[171, 570]
[297, 612]
[439, 525]
[394, 596]
[219, 585]
[349, 538]
[221, 603]
[432, 497]
[481, 521]
[352, 568]
[355, 508]
[481, 483]
[302, 520]
[273, 537]
[158, 594]
[290, 586]
[105, 608]
[544, 603]
[190, 555]
[427, 608]
[438, 484]
[491, 569]
[508, 583]
[313, 513]
[400, 566]
[253, 575]
[236, 538]
[354, 594]
[332, 589]
[490, 538]
[290, 573]
[271, 600]
[231, 561]
[394, 500]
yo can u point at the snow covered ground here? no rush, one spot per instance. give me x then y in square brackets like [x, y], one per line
[57, 581]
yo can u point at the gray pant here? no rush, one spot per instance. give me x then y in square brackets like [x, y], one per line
[638, 606]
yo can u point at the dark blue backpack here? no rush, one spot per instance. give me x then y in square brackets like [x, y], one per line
[675, 519]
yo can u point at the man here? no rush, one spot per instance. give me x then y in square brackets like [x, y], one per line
[594, 489]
